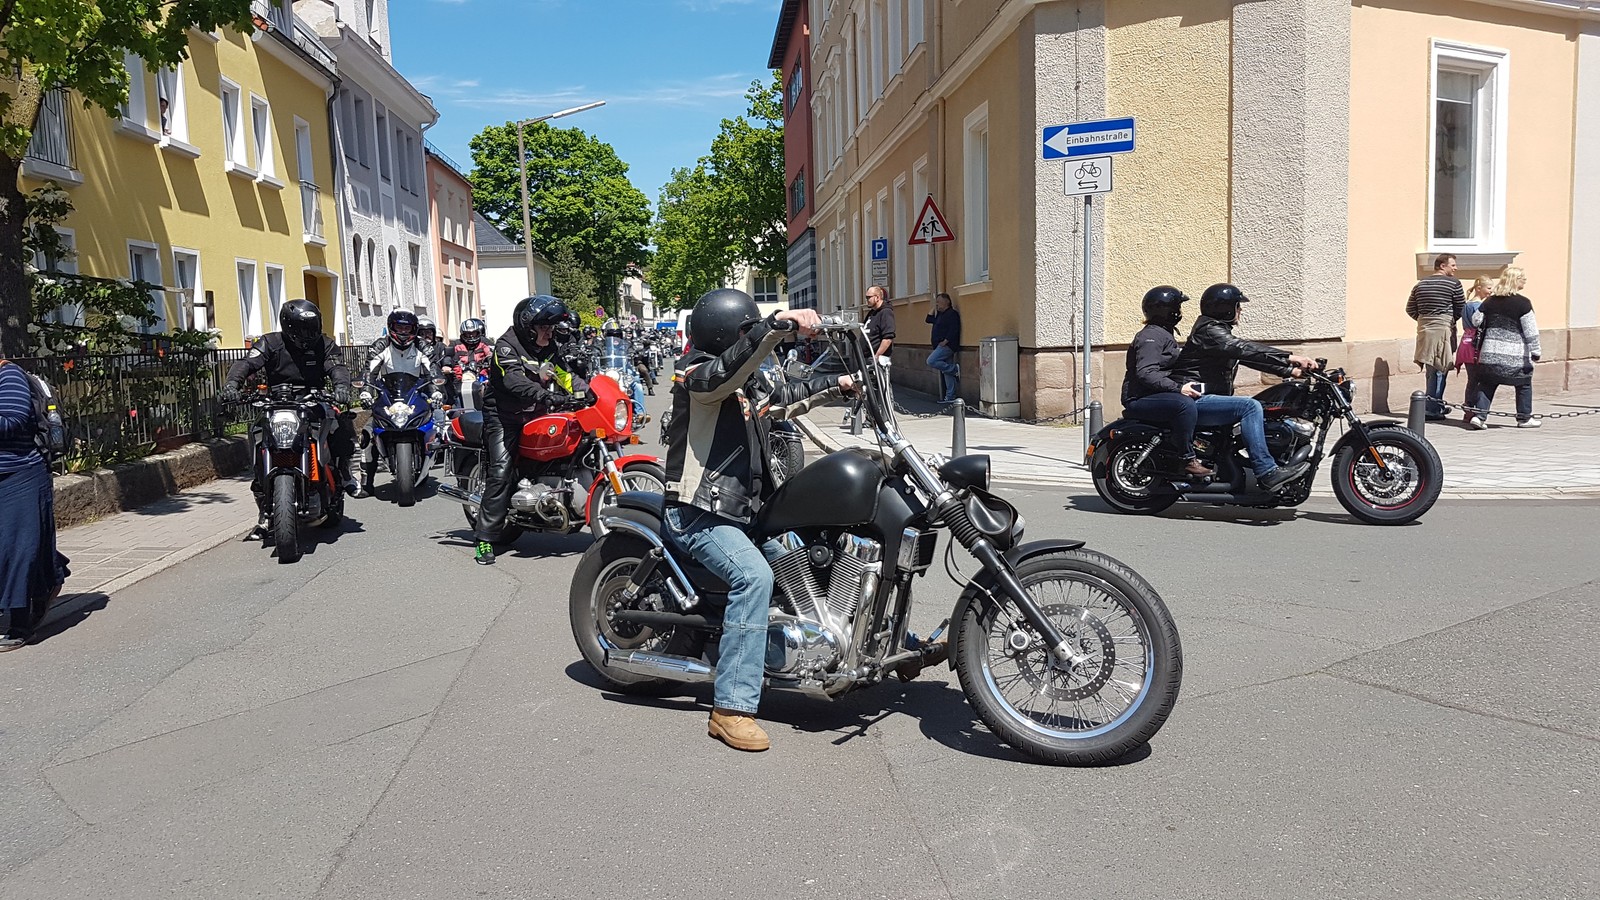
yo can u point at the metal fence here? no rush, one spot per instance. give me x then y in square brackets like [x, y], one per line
[125, 406]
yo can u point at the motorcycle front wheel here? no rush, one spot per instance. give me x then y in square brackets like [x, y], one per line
[1399, 491]
[1097, 710]
[405, 472]
[603, 574]
[647, 477]
[285, 518]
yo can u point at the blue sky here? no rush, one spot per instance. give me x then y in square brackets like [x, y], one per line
[669, 70]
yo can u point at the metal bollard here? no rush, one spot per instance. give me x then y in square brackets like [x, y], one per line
[1417, 416]
[1097, 418]
[958, 429]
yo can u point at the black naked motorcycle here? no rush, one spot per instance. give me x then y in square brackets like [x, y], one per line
[1383, 473]
[295, 482]
[1064, 653]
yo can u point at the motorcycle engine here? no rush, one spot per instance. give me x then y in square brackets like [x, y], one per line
[547, 497]
[1286, 437]
[824, 584]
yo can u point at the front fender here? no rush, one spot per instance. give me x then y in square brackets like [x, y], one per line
[622, 466]
[982, 585]
[1357, 437]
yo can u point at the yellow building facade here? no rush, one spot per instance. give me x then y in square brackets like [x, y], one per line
[1318, 153]
[215, 182]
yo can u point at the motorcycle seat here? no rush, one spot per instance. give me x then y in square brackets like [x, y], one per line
[468, 427]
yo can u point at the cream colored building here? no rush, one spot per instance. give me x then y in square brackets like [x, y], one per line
[1316, 152]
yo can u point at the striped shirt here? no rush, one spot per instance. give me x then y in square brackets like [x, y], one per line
[1436, 295]
[18, 425]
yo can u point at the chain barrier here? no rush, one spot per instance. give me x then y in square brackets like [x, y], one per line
[1462, 407]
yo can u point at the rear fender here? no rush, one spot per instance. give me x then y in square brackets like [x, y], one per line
[1117, 432]
[982, 586]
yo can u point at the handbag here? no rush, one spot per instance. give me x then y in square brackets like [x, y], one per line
[1467, 350]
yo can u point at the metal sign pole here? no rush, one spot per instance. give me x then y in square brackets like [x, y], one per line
[1085, 320]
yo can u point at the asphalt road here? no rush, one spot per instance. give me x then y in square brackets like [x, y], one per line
[1367, 712]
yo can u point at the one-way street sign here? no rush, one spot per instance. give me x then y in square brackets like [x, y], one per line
[1088, 138]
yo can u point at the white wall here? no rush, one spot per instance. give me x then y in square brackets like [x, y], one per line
[502, 281]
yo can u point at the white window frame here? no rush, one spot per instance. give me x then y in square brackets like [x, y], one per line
[899, 251]
[266, 156]
[158, 298]
[380, 128]
[919, 257]
[236, 159]
[975, 193]
[189, 308]
[862, 70]
[915, 33]
[175, 133]
[250, 320]
[1489, 200]
[897, 47]
[70, 313]
[879, 56]
[272, 304]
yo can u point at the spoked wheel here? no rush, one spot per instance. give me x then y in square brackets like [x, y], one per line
[603, 575]
[477, 483]
[647, 477]
[1400, 490]
[1129, 486]
[1111, 699]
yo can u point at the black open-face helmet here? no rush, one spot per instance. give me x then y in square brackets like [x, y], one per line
[426, 328]
[719, 317]
[1221, 302]
[472, 332]
[1163, 306]
[533, 312]
[402, 326]
[301, 324]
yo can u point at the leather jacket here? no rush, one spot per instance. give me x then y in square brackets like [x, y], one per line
[1212, 356]
[516, 387]
[1151, 359]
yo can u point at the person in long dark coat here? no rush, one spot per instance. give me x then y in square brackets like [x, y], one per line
[31, 571]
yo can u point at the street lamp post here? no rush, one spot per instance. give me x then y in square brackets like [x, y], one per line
[522, 168]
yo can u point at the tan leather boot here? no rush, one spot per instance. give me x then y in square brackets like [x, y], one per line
[738, 730]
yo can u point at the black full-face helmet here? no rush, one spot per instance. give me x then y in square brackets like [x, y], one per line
[472, 333]
[402, 328]
[719, 317]
[1163, 306]
[301, 324]
[1221, 302]
[533, 312]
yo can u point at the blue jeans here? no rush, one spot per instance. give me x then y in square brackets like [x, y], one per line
[1176, 411]
[1435, 379]
[943, 361]
[722, 546]
[1214, 409]
[638, 398]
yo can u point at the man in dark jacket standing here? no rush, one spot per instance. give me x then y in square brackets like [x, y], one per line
[1212, 356]
[946, 340]
[716, 484]
[1150, 392]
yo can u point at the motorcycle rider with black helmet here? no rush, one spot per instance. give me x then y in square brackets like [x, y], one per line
[716, 484]
[1150, 393]
[471, 353]
[520, 390]
[1212, 356]
[299, 354]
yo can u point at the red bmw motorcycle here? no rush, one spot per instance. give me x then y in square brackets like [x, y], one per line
[569, 465]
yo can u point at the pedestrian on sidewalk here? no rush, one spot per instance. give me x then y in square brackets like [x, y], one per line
[1508, 346]
[880, 334]
[1435, 304]
[31, 571]
[1467, 350]
[945, 358]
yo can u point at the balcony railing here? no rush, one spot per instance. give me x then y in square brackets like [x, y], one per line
[311, 210]
[52, 136]
[280, 16]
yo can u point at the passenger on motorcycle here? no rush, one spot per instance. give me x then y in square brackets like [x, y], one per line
[715, 484]
[1212, 356]
[470, 355]
[521, 388]
[1150, 393]
[300, 354]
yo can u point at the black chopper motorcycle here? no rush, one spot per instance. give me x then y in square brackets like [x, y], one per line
[1383, 473]
[1065, 653]
[295, 481]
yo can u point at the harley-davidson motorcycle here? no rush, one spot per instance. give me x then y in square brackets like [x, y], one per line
[1065, 653]
[1383, 472]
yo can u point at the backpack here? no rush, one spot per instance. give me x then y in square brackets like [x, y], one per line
[51, 437]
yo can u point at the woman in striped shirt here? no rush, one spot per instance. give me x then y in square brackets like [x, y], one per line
[31, 572]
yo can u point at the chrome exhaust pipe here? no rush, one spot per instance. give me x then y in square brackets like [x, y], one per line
[660, 665]
[459, 495]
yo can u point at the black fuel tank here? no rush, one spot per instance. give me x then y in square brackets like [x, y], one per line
[1289, 398]
[838, 489]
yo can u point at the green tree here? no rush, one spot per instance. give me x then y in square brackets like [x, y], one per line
[579, 197]
[572, 282]
[78, 45]
[729, 208]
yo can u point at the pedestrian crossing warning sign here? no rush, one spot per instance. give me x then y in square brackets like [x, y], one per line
[931, 227]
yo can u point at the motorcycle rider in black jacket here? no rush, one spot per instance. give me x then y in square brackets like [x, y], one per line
[520, 390]
[718, 477]
[1212, 356]
[300, 354]
[1150, 393]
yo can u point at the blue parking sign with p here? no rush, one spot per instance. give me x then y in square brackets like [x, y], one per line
[880, 248]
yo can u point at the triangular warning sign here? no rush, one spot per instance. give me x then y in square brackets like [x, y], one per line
[931, 227]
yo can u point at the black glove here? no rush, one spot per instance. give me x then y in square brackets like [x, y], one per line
[341, 394]
[230, 392]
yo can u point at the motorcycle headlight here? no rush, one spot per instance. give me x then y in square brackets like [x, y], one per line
[614, 375]
[619, 418]
[400, 411]
[285, 425]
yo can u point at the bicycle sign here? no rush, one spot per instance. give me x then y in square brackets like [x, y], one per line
[1087, 175]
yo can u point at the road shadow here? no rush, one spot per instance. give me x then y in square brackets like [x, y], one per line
[538, 545]
[389, 492]
[69, 612]
[1194, 512]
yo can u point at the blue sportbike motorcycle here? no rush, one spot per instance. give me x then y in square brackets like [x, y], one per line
[401, 432]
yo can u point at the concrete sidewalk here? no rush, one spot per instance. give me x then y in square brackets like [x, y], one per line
[1560, 459]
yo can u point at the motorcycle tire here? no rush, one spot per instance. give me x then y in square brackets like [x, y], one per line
[791, 455]
[405, 473]
[477, 483]
[641, 476]
[285, 519]
[602, 572]
[1126, 489]
[1374, 495]
[1133, 600]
